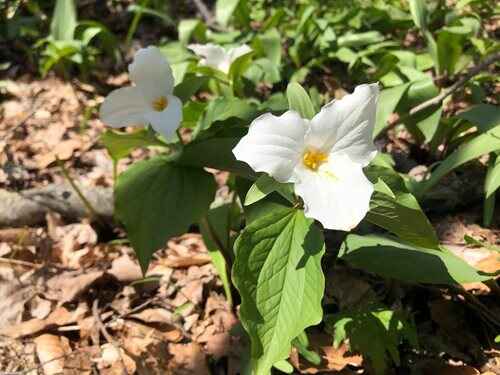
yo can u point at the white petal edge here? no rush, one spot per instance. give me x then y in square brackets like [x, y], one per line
[274, 144]
[346, 125]
[124, 107]
[212, 55]
[236, 52]
[337, 195]
[151, 73]
[167, 121]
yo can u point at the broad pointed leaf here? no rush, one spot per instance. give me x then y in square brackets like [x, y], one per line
[279, 277]
[157, 200]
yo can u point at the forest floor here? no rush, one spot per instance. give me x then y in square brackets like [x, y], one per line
[73, 300]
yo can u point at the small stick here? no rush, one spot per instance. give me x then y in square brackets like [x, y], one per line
[105, 333]
[447, 91]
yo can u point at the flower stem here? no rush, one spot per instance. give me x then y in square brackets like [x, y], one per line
[93, 213]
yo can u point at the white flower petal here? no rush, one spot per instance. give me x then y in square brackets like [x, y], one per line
[236, 52]
[151, 73]
[213, 55]
[337, 195]
[124, 107]
[346, 125]
[274, 144]
[167, 121]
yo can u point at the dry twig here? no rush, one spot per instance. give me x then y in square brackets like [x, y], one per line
[447, 91]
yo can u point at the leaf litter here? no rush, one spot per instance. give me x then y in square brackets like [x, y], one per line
[177, 320]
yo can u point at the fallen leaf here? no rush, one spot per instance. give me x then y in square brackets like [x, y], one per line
[66, 286]
[40, 307]
[193, 291]
[114, 359]
[59, 317]
[332, 359]
[156, 315]
[51, 353]
[188, 357]
[125, 269]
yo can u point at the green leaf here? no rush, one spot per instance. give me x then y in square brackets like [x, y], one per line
[480, 145]
[239, 66]
[156, 200]
[269, 44]
[391, 258]
[387, 103]
[484, 116]
[449, 49]
[215, 153]
[222, 109]
[215, 229]
[360, 39]
[301, 342]
[265, 185]
[375, 332]
[64, 22]
[279, 277]
[224, 10]
[419, 13]
[491, 185]
[298, 100]
[189, 28]
[284, 366]
[120, 145]
[393, 208]
[189, 86]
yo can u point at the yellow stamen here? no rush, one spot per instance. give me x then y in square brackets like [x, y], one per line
[160, 103]
[313, 159]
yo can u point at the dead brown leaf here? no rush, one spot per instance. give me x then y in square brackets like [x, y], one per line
[125, 269]
[51, 351]
[59, 317]
[188, 359]
[66, 286]
[332, 359]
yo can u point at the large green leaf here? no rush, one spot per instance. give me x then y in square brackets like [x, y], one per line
[63, 23]
[299, 100]
[215, 229]
[189, 28]
[119, 145]
[279, 277]
[224, 10]
[387, 103]
[480, 145]
[156, 200]
[491, 185]
[215, 153]
[419, 13]
[393, 208]
[265, 185]
[391, 258]
[484, 116]
[189, 86]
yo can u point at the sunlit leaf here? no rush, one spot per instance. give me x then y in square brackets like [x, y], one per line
[279, 277]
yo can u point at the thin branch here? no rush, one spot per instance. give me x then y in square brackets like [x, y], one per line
[204, 11]
[107, 336]
[447, 91]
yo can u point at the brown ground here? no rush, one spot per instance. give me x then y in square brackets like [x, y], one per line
[70, 299]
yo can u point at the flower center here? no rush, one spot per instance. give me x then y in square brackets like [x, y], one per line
[160, 103]
[313, 159]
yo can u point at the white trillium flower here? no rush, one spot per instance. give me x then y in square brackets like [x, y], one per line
[150, 101]
[217, 57]
[323, 157]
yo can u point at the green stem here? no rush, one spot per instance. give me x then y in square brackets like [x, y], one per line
[93, 213]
